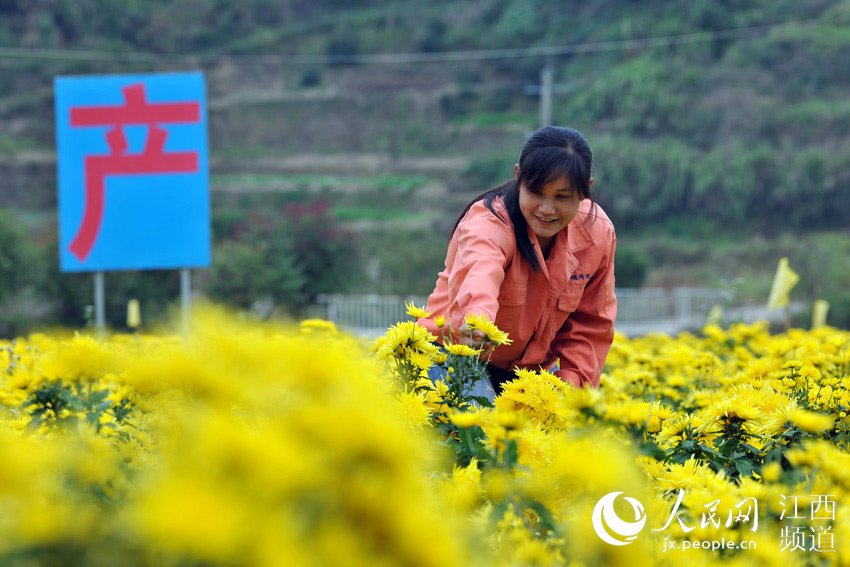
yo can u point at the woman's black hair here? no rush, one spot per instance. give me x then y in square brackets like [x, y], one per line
[550, 154]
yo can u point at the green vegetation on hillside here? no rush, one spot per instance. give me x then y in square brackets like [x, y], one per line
[720, 127]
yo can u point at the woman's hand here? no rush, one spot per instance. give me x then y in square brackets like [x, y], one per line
[474, 339]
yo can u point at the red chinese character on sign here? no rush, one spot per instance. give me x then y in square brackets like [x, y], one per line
[137, 111]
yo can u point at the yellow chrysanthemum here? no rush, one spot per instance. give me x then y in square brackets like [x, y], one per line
[464, 488]
[318, 325]
[466, 419]
[682, 476]
[82, 358]
[402, 338]
[212, 429]
[461, 350]
[811, 421]
[417, 312]
[738, 409]
[771, 472]
[414, 409]
[420, 360]
[483, 323]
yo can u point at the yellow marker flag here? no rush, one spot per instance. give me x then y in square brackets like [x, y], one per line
[715, 316]
[785, 279]
[134, 314]
[819, 311]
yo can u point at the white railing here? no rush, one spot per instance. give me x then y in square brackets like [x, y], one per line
[680, 303]
[357, 312]
[370, 314]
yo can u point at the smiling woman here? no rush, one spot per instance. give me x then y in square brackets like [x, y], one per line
[549, 209]
[536, 256]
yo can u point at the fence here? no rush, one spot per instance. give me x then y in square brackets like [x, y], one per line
[373, 314]
[680, 303]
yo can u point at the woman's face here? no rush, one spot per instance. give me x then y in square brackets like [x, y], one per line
[548, 210]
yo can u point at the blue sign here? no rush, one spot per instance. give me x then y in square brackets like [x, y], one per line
[133, 169]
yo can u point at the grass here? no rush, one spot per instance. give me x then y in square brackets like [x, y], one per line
[404, 184]
[747, 263]
[10, 145]
[490, 119]
[371, 213]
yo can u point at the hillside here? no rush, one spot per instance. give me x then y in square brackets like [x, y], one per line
[713, 124]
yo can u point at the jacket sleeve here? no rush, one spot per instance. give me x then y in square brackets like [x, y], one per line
[583, 342]
[484, 247]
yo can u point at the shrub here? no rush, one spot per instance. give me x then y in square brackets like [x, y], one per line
[289, 254]
[631, 267]
[13, 255]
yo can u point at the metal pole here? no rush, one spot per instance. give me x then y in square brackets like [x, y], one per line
[99, 303]
[546, 75]
[185, 300]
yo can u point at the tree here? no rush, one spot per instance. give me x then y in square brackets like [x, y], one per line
[288, 255]
[13, 255]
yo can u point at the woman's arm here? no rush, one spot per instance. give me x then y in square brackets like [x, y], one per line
[483, 248]
[583, 342]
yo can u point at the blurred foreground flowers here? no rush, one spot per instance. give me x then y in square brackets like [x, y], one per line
[262, 445]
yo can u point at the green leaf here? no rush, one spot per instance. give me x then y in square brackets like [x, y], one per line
[653, 450]
[744, 467]
[93, 419]
[481, 401]
[511, 453]
[709, 451]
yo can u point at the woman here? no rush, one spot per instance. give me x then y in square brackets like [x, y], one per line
[535, 255]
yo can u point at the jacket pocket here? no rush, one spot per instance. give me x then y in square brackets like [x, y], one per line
[569, 300]
[567, 303]
[512, 300]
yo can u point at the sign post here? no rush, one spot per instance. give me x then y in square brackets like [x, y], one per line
[185, 301]
[133, 171]
[99, 301]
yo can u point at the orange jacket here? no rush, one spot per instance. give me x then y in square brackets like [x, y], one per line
[563, 313]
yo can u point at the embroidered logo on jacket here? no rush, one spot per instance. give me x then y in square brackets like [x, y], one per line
[580, 277]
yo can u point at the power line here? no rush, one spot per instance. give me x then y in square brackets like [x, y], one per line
[414, 57]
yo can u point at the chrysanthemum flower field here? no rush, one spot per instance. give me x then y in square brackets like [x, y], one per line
[264, 444]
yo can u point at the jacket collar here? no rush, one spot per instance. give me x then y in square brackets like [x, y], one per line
[578, 232]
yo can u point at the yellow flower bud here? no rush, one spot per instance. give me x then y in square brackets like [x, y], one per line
[509, 420]
[771, 471]
[654, 424]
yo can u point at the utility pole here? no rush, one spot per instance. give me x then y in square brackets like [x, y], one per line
[546, 91]
[546, 96]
